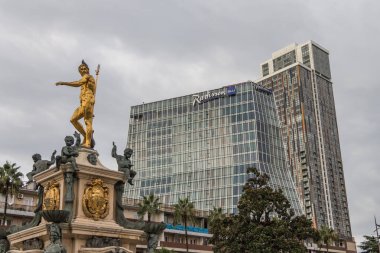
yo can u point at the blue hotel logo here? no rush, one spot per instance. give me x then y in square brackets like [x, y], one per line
[231, 90]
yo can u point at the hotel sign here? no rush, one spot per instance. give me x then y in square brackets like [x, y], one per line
[262, 89]
[211, 95]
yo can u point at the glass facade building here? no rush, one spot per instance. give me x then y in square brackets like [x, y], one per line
[200, 145]
[300, 78]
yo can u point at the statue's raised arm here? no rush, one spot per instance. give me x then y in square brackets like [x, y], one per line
[52, 158]
[113, 152]
[87, 101]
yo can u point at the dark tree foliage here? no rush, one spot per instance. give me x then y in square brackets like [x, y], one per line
[265, 222]
[369, 245]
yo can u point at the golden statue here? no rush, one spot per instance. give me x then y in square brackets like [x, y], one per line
[51, 196]
[95, 200]
[87, 102]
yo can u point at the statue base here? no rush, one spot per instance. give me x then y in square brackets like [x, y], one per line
[89, 194]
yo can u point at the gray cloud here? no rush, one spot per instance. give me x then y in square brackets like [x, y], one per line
[151, 50]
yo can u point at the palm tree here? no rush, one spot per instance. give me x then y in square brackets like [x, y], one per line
[10, 183]
[327, 236]
[215, 221]
[150, 205]
[184, 212]
[215, 215]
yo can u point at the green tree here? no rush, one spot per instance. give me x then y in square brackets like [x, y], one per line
[369, 245]
[150, 205]
[265, 222]
[10, 183]
[327, 236]
[184, 212]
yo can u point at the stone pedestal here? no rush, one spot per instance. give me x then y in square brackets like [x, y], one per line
[89, 195]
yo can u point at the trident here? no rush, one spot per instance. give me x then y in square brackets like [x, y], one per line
[97, 76]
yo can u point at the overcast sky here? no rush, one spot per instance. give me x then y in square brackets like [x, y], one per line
[152, 50]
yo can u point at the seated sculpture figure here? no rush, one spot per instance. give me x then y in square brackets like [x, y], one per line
[40, 165]
[69, 152]
[55, 239]
[124, 164]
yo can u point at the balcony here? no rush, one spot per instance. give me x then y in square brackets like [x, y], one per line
[18, 209]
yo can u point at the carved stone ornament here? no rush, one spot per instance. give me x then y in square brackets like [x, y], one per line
[101, 242]
[51, 196]
[34, 243]
[95, 201]
[91, 158]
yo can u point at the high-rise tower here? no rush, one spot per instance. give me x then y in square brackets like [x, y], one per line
[200, 145]
[300, 77]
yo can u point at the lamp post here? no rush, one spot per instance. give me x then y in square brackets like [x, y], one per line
[377, 233]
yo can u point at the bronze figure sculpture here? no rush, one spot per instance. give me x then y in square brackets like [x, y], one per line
[124, 163]
[69, 152]
[55, 239]
[40, 165]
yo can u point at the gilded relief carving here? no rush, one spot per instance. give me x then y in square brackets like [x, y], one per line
[95, 202]
[51, 196]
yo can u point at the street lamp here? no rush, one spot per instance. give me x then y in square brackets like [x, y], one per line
[377, 233]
